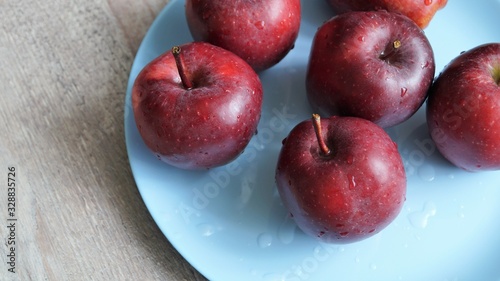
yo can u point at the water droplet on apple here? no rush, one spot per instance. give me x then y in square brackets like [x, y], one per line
[361, 38]
[350, 159]
[426, 64]
[264, 240]
[428, 2]
[206, 15]
[344, 234]
[352, 183]
[403, 91]
[260, 24]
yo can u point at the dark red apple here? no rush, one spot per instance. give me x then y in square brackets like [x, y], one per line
[262, 32]
[463, 109]
[375, 65]
[198, 106]
[420, 11]
[341, 178]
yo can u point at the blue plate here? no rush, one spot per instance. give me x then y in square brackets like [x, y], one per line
[230, 224]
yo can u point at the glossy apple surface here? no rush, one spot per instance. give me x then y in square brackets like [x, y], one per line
[262, 32]
[420, 11]
[346, 195]
[205, 125]
[374, 65]
[463, 109]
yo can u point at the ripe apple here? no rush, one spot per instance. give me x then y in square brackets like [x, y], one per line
[420, 11]
[463, 109]
[376, 65]
[197, 106]
[341, 178]
[262, 32]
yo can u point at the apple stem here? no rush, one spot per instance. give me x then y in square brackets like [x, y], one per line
[317, 129]
[496, 74]
[176, 51]
[388, 53]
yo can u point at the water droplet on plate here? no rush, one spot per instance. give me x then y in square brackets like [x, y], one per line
[461, 213]
[264, 240]
[426, 172]
[420, 219]
[205, 229]
[373, 266]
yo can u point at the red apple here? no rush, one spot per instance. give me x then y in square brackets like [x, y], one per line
[261, 32]
[463, 109]
[341, 178]
[420, 11]
[197, 106]
[375, 65]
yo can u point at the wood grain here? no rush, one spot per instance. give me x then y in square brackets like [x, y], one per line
[64, 70]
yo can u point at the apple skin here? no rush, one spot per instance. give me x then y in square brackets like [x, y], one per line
[355, 69]
[203, 127]
[463, 109]
[262, 32]
[420, 11]
[346, 196]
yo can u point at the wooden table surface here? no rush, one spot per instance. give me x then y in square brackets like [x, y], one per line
[79, 216]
